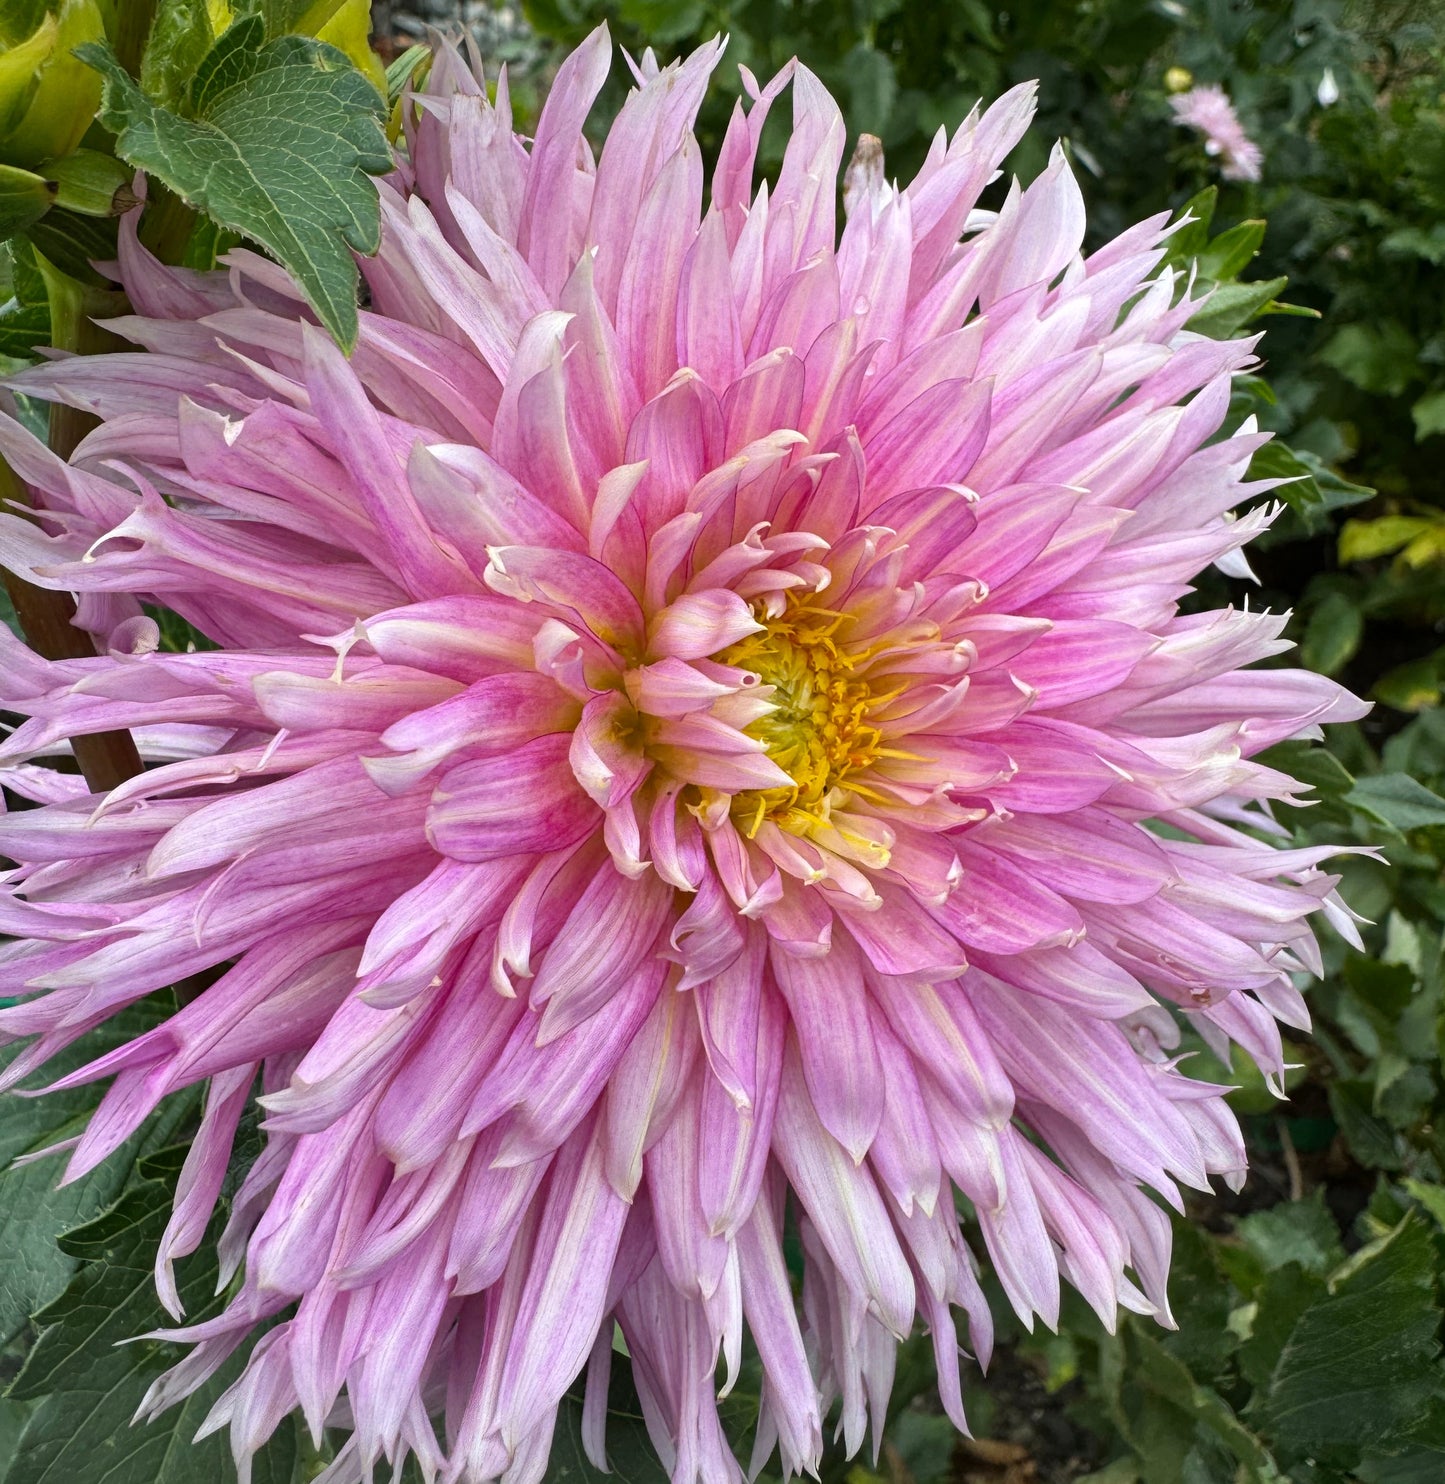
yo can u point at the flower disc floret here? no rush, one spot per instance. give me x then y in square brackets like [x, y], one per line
[818, 731]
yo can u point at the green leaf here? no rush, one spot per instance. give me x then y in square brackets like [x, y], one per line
[112, 1297]
[12, 1423]
[1231, 306]
[1418, 748]
[1415, 1456]
[31, 43]
[180, 37]
[630, 1454]
[401, 71]
[1121, 1471]
[1278, 460]
[71, 242]
[1200, 1297]
[282, 139]
[24, 198]
[1417, 242]
[88, 1384]
[1397, 799]
[872, 88]
[1291, 311]
[1316, 766]
[1336, 492]
[1282, 1297]
[1332, 634]
[1300, 1232]
[1377, 357]
[1229, 254]
[1370, 1139]
[1429, 415]
[664, 21]
[1165, 1413]
[1190, 240]
[22, 327]
[1384, 989]
[1358, 1366]
[1404, 1090]
[25, 315]
[283, 17]
[1417, 685]
[206, 243]
[299, 17]
[62, 93]
[32, 1211]
[1363, 540]
[1432, 1197]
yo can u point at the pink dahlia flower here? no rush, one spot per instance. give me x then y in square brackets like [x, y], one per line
[1208, 111]
[700, 735]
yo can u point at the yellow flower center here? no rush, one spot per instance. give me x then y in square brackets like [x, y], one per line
[819, 734]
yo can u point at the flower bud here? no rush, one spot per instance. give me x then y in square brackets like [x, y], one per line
[91, 183]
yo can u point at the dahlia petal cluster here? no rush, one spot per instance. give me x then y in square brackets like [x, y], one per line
[700, 744]
[1208, 111]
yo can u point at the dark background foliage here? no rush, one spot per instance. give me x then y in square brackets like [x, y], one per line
[1308, 1305]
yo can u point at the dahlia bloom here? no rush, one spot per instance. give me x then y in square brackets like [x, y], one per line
[700, 735]
[1208, 111]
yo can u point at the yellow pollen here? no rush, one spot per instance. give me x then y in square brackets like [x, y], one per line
[819, 734]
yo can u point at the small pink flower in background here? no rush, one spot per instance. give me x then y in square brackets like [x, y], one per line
[1208, 110]
[702, 736]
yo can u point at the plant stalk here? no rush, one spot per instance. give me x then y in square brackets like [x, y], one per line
[105, 758]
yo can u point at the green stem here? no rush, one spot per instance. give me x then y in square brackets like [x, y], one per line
[47, 616]
[167, 223]
[132, 31]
